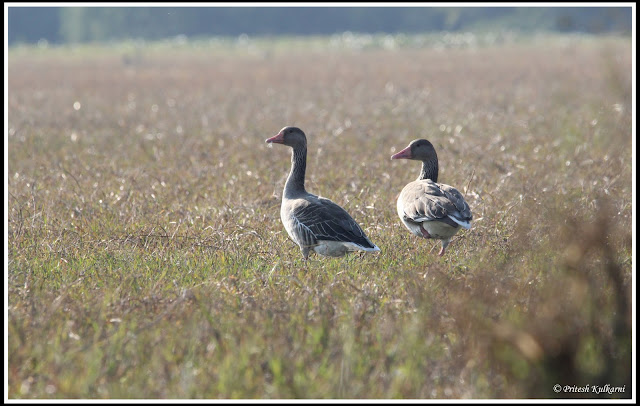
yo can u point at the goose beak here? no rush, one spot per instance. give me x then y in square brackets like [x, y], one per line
[404, 154]
[278, 139]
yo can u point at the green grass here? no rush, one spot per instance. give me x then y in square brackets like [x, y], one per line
[147, 258]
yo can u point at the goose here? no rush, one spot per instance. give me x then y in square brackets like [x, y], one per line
[427, 208]
[313, 222]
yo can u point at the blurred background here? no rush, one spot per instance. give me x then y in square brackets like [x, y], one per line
[62, 25]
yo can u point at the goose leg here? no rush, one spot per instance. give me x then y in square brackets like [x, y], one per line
[305, 253]
[444, 246]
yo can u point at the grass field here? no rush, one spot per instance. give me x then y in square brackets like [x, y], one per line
[146, 257]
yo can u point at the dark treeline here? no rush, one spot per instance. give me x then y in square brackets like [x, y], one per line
[60, 25]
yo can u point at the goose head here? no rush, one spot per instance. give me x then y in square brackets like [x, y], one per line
[289, 136]
[419, 150]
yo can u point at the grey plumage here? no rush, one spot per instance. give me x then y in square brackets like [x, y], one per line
[429, 209]
[313, 222]
[426, 200]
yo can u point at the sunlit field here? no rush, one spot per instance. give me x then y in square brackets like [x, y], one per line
[147, 258]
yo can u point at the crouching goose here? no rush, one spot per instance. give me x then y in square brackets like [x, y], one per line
[313, 222]
[429, 209]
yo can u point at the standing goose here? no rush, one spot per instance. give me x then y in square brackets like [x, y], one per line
[313, 222]
[429, 209]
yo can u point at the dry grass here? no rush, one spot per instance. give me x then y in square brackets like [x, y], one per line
[147, 258]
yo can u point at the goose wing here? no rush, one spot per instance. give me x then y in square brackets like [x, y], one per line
[426, 200]
[322, 219]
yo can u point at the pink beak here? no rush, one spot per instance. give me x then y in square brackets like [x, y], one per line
[278, 139]
[404, 154]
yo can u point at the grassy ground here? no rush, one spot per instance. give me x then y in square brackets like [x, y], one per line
[147, 258]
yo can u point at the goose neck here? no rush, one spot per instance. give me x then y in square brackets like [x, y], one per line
[429, 170]
[295, 181]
